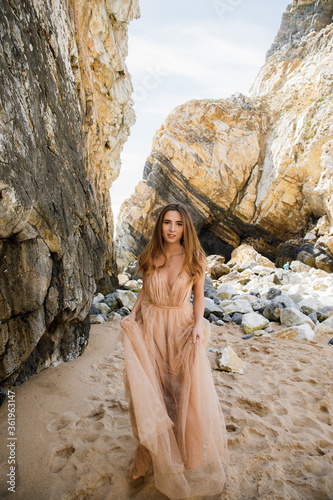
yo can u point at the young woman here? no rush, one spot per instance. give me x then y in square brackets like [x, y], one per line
[175, 413]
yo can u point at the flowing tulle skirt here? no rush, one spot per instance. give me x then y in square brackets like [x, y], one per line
[175, 412]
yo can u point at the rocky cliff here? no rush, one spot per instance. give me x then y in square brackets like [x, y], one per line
[65, 114]
[301, 18]
[252, 169]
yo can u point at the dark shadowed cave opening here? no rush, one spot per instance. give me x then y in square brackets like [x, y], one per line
[213, 245]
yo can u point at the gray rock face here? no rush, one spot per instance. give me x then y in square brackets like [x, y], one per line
[55, 242]
[300, 18]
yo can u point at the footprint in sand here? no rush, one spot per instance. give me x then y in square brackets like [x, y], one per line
[250, 440]
[60, 457]
[94, 397]
[96, 413]
[325, 413]
[279, 409]
[256, 407]
[61, 421]
[94, 485]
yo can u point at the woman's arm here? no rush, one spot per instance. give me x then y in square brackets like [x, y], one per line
[199, 308]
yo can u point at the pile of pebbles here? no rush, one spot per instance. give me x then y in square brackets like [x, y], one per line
[252, 294]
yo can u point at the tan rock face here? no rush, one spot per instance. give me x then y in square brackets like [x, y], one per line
[206, 154]
[296, 185]
[65, 114]
[259, 170]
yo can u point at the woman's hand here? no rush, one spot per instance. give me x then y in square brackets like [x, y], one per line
[198, 335]
[136, 308]
[130, 316]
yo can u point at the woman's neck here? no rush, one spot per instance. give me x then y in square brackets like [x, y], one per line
[173, 249]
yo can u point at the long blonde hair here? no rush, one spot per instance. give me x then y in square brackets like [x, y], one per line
[195, 259]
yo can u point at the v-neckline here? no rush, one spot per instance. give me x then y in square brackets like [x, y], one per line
[166, 280]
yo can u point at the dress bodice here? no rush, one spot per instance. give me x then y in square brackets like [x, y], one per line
[160, 293]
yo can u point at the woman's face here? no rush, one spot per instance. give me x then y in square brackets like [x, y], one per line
[172, 227]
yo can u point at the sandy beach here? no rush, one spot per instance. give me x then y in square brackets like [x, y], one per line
[74, 440]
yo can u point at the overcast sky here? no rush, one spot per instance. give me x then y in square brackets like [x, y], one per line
[189, 49]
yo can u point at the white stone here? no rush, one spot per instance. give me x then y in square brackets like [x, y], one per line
[259, 333]
[114, 316]
[123, 278]
[95, 319]
[305, 332]
[294, 295]
[298, 266]
[326, 327]
[254, 321]
[293, 317]
[239, 305]
[135, 285]
[312, 303]
[226, 291]
[98, 298]
[126, 298]
[211, 307]
[263, 270]
[250, 298]
[227, 360]
[326, 300]
[300, 332]
[103, 308]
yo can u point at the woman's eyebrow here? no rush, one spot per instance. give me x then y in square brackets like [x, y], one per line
[168, 220]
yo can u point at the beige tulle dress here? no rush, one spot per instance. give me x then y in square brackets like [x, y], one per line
[175, 412]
